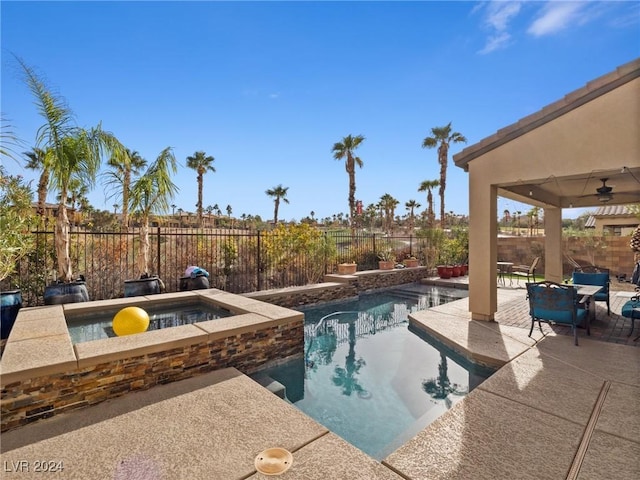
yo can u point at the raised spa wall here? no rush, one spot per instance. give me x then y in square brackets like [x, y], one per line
[42, 373]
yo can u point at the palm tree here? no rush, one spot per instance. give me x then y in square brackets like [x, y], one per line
[388, 205]
[37, 162]
[201, 164]
[180, 212]
[440, 388]
[209, 211]
[411, 205]
[426, 186]
[124, 165]
[278, 193]
[73, 153]
[345, 149]
[151, 193]
[442, 137]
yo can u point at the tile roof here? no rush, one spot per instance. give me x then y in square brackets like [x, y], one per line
[613, 210]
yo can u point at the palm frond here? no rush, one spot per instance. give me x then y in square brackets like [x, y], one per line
[59, 120]
[8, 140]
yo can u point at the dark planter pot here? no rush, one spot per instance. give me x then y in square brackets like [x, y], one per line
[72, 292]
[456, 271]
[142, 286]
[441, 269]
[446, 272]
[200, 282]
[465, 269]
[11, 302]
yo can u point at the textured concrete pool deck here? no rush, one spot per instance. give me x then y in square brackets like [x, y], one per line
[552, 411]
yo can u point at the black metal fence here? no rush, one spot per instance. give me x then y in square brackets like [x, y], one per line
[237, 261]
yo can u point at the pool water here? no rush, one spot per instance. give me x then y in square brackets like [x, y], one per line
[369, 378]
[87, 327]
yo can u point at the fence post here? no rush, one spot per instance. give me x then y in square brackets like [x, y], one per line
[259, 263]
[158, 253]
[324, 250]
[374, 244]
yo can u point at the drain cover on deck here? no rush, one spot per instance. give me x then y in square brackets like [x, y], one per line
[273, 461]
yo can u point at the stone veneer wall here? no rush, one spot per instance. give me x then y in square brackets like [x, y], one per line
[30, 400]
[37, 398]
[607, 251]
[339, 286]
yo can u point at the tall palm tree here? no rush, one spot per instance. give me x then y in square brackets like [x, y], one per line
[388, 205]
[202, 164]
[345, 150]
[37, 162]
[442, 137]
[278, 193]
[73, 153]
[151, 193]
[426, 186]
[124, 165]
[411, 205]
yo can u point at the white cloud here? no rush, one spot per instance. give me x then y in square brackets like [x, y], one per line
[557, 16]
[274, 95]
[498, 15]
[501, 13]
[496, 42]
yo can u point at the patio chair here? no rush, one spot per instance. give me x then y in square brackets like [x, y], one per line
[593, 275]
[528, 271]
[555, 303]
[631, 309]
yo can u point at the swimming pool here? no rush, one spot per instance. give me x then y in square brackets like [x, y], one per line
[369, 378]
[94, 326]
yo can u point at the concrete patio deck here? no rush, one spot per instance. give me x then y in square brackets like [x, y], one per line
[552, 411]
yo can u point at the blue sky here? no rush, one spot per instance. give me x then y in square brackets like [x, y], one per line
[267, 88]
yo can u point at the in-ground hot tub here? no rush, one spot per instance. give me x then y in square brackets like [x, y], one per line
[44, 373]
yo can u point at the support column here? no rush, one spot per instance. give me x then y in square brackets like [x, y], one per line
[483, 249]
[553, 244]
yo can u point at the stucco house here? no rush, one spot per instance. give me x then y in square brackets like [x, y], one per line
[616, 220]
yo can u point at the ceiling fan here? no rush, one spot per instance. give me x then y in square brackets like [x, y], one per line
[604, 192]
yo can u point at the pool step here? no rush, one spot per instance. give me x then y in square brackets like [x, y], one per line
[270, 384]
[407, 294]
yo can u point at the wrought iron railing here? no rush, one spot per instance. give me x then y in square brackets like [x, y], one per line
[238, 261]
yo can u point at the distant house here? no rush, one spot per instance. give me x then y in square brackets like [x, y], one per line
[617, 220]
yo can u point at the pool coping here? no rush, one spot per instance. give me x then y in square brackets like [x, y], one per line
[40, 343]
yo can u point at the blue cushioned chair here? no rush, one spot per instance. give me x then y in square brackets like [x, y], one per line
[631, 309]
[595, 276]
[555, 303]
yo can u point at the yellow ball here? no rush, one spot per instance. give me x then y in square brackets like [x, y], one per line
[130, 320]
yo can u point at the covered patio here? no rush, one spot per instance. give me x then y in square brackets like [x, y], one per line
[581, 151]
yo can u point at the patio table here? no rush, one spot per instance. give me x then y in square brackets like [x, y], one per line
[588, 291]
